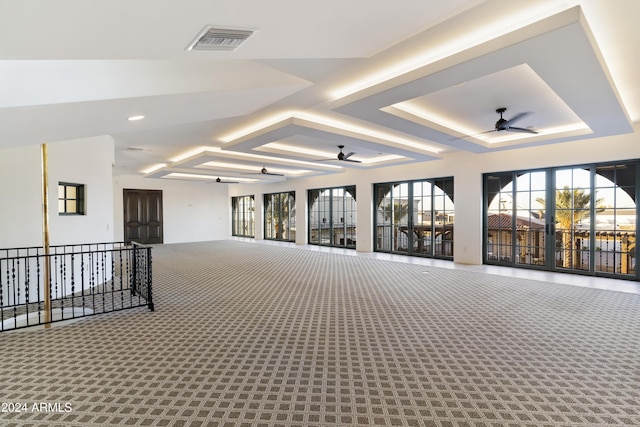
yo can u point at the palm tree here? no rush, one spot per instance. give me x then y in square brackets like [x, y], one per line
[395, 212]
[572, 206]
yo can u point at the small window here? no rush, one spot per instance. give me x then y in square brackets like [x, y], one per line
[70, 199]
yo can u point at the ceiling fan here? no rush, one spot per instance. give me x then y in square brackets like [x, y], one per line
[343, 157]
[505, 125]
[219, 181]
[264, 171]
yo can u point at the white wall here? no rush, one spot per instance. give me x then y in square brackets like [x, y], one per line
[20, 197]
[192, 211]
[466, 168]
[83, 161]
[200, 212]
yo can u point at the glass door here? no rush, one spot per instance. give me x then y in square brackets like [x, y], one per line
[516, 218]
[415, 218]
[280, 216]
[242, 220]
[616, 220]
[596, 219]
[575, 219]
[332, 217]
[531, 221]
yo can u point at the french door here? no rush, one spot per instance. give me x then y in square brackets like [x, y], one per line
[332, 217]
[415, 218]
[572, 219]
[243, 216]
[280, 216]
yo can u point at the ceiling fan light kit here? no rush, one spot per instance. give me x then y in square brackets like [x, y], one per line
[505, 125]
[264, 171]
[342, 157]
[219, 181]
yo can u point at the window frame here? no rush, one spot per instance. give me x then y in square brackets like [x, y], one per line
[595, 248]
[80, 199]
[270, 231]
[243, 216]
[332, 224]
[438, 244]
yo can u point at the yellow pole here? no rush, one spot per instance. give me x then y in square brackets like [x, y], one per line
[45, 236]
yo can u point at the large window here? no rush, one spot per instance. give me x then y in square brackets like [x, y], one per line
[575, 219]
[415, 217]
[280, 216]
[332, 217]
[242, 219]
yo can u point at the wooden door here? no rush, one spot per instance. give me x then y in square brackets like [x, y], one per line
[143, 216]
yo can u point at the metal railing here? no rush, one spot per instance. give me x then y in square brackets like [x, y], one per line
[40, 286]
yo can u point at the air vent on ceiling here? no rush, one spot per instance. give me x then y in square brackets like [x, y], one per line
[220, 39]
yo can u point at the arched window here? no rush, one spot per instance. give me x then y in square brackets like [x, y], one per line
[332, 217]
[280, 216]
[415, 217]
[572, 219]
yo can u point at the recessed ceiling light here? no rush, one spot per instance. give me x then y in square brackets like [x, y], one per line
[134, 118]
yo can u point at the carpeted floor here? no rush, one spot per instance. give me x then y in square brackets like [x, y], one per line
[260, 335]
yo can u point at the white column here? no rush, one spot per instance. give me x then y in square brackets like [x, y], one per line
[467, 239]
[259, 216]
[302, 218]
[365, 202]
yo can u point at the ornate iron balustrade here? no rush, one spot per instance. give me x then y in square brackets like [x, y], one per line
[82, 280]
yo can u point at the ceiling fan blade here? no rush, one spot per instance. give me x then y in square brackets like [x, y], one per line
[471, 136]
[521, 130]
[342, 157]
[338, 160]
[347, 159]
[262, 173]
[515, 119]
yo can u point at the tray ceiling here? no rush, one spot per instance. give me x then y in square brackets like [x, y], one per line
[427, 86]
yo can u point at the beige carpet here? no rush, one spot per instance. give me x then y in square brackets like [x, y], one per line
[248, 334]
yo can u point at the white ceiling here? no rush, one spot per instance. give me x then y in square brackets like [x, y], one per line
[394, 82]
